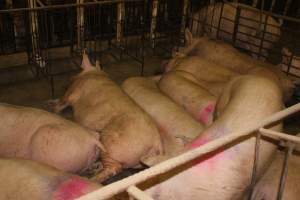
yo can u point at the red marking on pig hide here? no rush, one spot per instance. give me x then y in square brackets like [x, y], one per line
[208, 160]
[206, 114]
[71, 189]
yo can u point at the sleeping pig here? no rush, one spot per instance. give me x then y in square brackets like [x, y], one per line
[225, 174]
[175, 124]
[42, 136]
[25, 179]
[227, 56]
[127, 132]
[196, 100]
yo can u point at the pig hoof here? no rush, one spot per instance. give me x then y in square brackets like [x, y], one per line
[110, 168]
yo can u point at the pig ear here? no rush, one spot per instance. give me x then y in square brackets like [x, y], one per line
[188, 37]
[98, 66]
[86, 64]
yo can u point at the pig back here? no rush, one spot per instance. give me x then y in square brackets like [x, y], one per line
[47, 138]
[169, 117]
[103, 107]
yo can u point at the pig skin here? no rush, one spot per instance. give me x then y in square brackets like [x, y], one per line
[45, 137]
[29, 180]
[268, 186]
[196, 100]
[175, 124]
[226, 173]
[225, 55]
[127, 132]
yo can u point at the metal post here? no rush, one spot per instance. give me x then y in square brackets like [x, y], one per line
[120, 23]
[153, 22]
[80, 26]
[255, 165]
[34, 30]
[288, 153]
[184, 16]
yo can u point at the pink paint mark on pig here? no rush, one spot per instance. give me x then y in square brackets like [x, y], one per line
[212, 159]
[205, 115]
[71, 189]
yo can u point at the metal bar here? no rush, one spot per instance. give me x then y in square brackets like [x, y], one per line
[153, 22]
[220, 20]
[80, 26]
[287, 7]
[255, 165]
[184, 16]
[120, 19]
[236, 25]
[138, 194]
[279, 135]
[284, 172]
[67, 5]
[119, 186]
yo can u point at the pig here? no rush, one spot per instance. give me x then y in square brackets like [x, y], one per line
[128, 134]
[227, 56]
[196, 100]
[35, 134]
[289, 59]
[250, 27]
[202, 69]
[225, 173]
[176, 126]
[268, 186]
[25, 179]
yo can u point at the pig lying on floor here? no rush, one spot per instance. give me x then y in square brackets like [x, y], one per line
[268, 186]
[28, 180]
[226, 173]
[176, 126]
[227, 56]
[38, 135]
[127, 132]
[196, 100]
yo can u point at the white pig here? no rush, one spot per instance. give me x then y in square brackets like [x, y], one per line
[195, 100]
[42, 136]
[127, 132]
[225, 174]
[25, 179]
[174, 123]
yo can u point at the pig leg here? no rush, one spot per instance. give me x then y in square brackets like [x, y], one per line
[111, 167]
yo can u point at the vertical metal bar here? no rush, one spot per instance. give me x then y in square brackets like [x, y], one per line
[272, 5]
[220, 20]
[184, 16]
[120, 18]
[263, 36]
[236, 25]
[153, 22]
[288, 153]
[287, 7]
[80, 26]
[255, 165]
